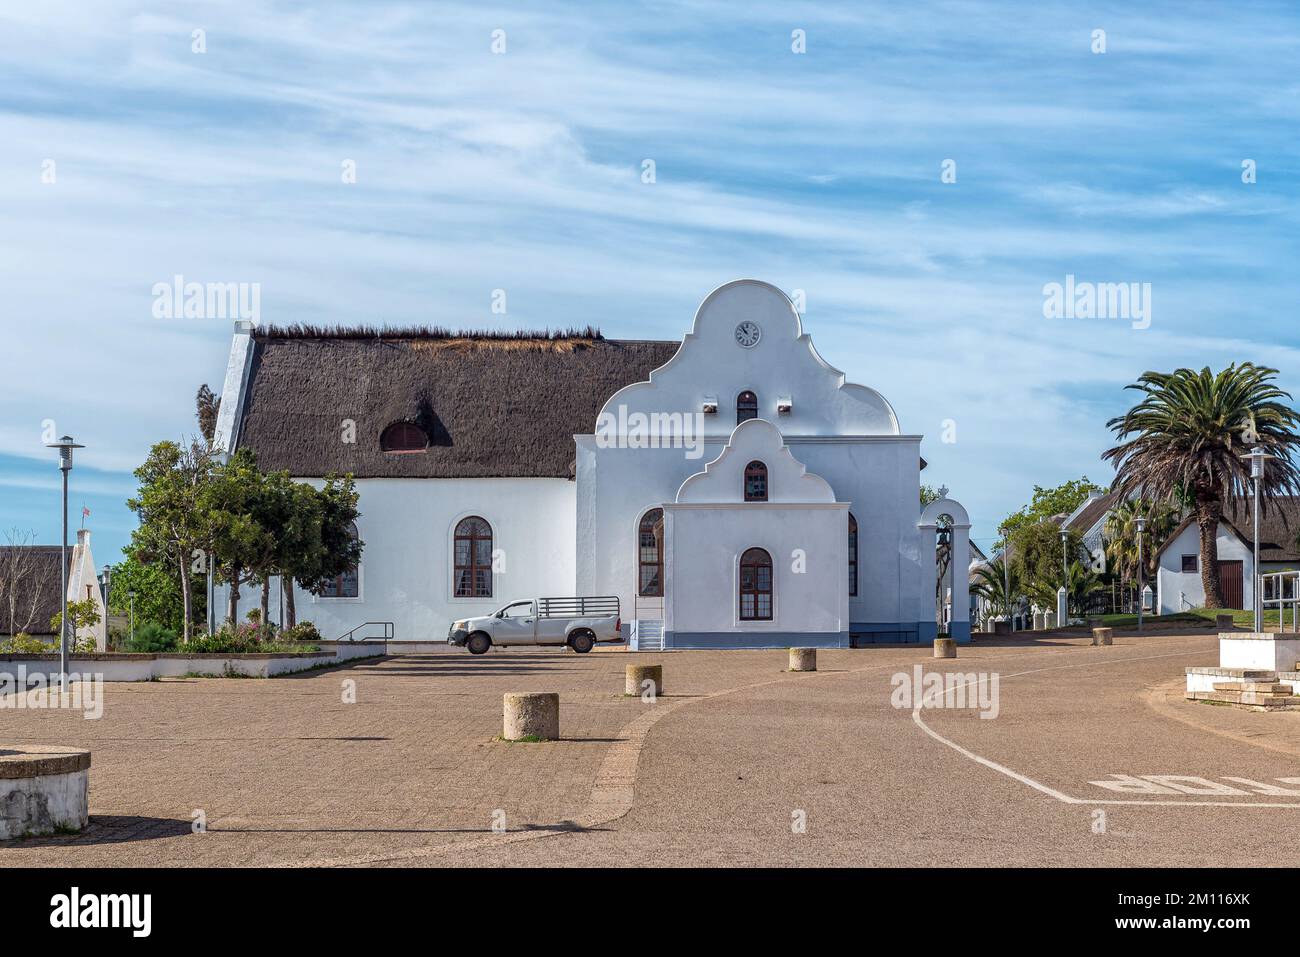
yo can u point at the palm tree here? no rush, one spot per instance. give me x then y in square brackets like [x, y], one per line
[1185, 438]
[1120, 534]
[991, 585]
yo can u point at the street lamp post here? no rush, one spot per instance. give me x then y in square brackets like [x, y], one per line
[1141, 524]
[130, 597]
[1063, 594]
[65, 446]
[106, 580]
[1257, 456]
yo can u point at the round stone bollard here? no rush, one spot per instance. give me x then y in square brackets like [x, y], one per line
[531, 715]
[42, 790]
[1102, 636]
[636, 676]
[803, 659]
[945, 648]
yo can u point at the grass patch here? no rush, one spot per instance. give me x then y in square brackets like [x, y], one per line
[1195, 616]
[526, 739]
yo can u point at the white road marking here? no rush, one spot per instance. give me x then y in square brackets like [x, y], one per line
[1059, 795]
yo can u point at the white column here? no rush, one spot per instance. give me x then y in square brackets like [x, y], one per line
[928, 628]
[959, 628]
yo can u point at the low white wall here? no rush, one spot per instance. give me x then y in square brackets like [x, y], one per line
[1262, 652]
[146, 667]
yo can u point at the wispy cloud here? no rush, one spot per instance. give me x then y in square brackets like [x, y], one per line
[522, 171]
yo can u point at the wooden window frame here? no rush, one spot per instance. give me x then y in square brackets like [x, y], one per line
[474, 566]
[407, 431]
[755, 469]
[339, 583]
[748, 406]
[651, 520]
[756, 559]
[853, 556]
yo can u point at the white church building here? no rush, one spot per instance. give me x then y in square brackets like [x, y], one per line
[732, 489]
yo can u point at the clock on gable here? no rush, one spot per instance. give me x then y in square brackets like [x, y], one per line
[748, 333]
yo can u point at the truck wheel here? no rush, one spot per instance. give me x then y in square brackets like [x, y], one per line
[582, 642]
[478, 643]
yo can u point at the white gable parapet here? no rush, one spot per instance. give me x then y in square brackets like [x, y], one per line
[756, 439]
[798, 530]
[747, 337]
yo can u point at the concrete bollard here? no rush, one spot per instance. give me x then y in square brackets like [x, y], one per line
[1223, 623]
[635, 677]
[803, 659]
[43, 790]
[945, 648]
[1102, 636]
[531, 715]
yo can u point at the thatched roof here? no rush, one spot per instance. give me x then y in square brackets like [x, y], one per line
[494, 404]
[36, 568]
[1279, 526]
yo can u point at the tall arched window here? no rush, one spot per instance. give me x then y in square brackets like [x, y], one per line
[473, 572]
[746, 406]
[853, 555]
[403, 437]
[347, 585]
[755, 585]
[650, 554]
[755, 482]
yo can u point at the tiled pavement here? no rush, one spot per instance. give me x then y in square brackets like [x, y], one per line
[285, 772]
[412, 773]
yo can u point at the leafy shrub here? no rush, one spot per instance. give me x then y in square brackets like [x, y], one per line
[153, 637]
[243, 639]
[24, 644]
[303, 631]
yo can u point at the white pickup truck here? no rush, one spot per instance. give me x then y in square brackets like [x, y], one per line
[576, 622]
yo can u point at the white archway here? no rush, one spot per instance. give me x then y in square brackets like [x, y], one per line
[958, 568]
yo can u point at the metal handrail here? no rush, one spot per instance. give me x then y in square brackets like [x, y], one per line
[1279, 599]
[386, 636]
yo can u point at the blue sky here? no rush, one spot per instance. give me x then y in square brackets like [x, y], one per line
[521, 171]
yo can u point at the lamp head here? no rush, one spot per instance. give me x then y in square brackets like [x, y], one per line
[65, 446]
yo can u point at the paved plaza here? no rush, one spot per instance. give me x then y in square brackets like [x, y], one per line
[740, 762]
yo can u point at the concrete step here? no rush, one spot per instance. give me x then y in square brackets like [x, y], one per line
[1263, 701]
[1262, 687]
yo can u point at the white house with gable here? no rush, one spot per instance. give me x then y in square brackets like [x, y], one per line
[732, 489]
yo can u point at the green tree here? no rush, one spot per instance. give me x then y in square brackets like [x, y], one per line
[322, 545]
[157, 589]
[1049, 502]
[1120, 535]
[1187, 436]
[174, 522]
[233, 504]
[991, 584]
[1038, 556]
[84, 614]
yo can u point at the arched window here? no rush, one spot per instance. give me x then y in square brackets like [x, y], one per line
[853, 555]
[403, 437]
[347, 585]
[473, 572]
[650, 554]
[755, 585]
[746, 406]
[755, 482]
